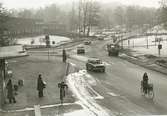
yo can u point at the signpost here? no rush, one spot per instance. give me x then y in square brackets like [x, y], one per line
[62, 87]
[159, 49]
[47, 44]
[159, 45]
[147, 42]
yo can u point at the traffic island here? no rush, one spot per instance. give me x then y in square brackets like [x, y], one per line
[147, 61]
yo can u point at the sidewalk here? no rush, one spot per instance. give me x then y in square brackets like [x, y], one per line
[28, 69]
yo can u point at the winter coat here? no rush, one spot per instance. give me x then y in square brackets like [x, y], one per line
[64, 55]
[10, 92]
[40, 84]
[145, 79]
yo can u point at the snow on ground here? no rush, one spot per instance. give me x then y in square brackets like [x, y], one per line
[79, 84]
[80, 58]
[40, 40]
[140, 45]
[78, 113]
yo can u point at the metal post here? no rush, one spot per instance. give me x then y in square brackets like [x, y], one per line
[48, 54]
[147, 42]
[159, 52]
[2, 82]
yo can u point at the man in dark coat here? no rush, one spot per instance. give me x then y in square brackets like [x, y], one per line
[40, 86]
[10, 92]
[64, 55]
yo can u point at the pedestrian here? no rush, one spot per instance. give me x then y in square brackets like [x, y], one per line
[64, 55]
[10, 92]
[145, 82]
[40, 86]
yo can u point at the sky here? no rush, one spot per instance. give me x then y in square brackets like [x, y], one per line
[17, 4]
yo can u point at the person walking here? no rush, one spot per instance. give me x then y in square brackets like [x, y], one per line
[64, 55]
[10, 92]
[145, 82]
[40, 86]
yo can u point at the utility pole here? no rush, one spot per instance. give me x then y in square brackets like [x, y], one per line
[159, 47]
[79, 17]
[2, 82]
[147, 42]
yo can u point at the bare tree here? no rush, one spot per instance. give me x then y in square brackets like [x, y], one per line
[3, 30]
[163, 12]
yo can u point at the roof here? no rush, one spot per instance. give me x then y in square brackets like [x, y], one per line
[8, 52]
[80, 47]
[93, 58]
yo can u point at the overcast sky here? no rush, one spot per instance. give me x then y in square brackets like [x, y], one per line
[41, 3]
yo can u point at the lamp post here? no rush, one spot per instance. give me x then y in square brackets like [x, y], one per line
[2, 82]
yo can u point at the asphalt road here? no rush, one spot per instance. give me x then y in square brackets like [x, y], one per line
[120, 85]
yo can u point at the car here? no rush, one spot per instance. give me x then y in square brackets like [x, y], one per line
[95, 64]
[80, 50]
[100, 38]
[87, 42]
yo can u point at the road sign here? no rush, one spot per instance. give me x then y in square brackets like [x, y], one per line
[159, 46]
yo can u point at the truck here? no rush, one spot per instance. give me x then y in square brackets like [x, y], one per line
[113, 49]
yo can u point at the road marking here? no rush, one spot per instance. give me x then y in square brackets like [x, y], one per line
[107, 64]
[77, 84]
[37, 110]
[113, 94]
[32, 108]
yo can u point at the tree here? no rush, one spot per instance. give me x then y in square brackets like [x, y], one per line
[130, 17]
[93, 15]
[73, 22]
[88, 15]
[119, 15]
[26, 13]
[3, 29]
[163, 12]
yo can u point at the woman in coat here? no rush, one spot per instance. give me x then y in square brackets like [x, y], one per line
[40, 86]
[10, 92]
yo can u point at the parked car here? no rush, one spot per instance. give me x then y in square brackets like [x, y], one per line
[80, 50]
[100, 38]
[87, 42]
[95, 64]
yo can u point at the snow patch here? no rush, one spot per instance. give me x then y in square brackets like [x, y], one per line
[78, 113]
[40, 40]
[124, 55]
[79, 57]
[79, 85]
[113, 94]
[106, 64]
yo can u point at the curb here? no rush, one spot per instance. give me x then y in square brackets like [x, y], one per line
[143, 64]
